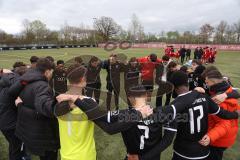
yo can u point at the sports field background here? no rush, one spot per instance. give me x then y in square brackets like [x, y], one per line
[111, 147]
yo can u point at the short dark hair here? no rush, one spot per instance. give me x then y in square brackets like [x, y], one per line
[34, 59]
[165, 58]
[137, 91]
[199, 70]
[50, 58]
[60, 62]
[172, 64]
[18, 64]
[20, 70]
[44, 64]
[75, 72]
[94, 59]
[153, 57]
[179, 78]
[214, 74]
[184, 69]
[78, 60]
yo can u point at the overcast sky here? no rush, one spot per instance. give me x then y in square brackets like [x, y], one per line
[155, 15]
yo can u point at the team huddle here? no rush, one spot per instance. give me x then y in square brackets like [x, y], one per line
[46, 107]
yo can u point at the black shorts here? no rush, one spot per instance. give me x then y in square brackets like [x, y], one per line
[148, 85]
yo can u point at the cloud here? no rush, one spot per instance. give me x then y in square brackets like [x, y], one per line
[155, 15]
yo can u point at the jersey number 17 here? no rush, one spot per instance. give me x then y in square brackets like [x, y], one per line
[192, 113]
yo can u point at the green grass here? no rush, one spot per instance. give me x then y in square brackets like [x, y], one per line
[110, 147]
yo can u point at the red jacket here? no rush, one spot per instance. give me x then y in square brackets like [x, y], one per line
[206, 54]
[147, 68]
[223, 133]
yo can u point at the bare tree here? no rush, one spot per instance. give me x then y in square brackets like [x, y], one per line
[3, 35]
[65, 33]
[206, 32]
[35, 31]
[220, 31]
[106, 27]
[230, 36]
[136, 29]
[27, 32]
[40, 30]
[237, 30]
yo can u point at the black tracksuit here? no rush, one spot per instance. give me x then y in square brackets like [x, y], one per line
[158, 80]
[36, 125]
[182, 54]
[195, 54]
[188, 54]
[163, 87]
[200, 53]
[113, 81]
[8, 117]
[59, 81]
[131, 77]
[93, 82]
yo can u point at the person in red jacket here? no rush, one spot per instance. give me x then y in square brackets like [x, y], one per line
[206, 55]
[210, 56]
[167, 51]
[221, 133]
[148, 65]
[177, 55]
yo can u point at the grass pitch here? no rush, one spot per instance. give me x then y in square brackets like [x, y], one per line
[112, 147]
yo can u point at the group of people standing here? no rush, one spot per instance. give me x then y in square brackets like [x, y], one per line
[44, 108]
[206, 54]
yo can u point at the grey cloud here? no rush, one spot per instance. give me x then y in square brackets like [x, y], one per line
[155, 15]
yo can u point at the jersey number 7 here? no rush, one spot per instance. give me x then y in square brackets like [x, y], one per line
[145, 136]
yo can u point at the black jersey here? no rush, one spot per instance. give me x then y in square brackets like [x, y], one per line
[191, 81]
[93, 74]
[193, 125]
[113, 70]
[144, 136]
[131, 76]
[59, 80]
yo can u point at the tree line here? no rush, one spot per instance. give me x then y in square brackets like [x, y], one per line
[107, 29]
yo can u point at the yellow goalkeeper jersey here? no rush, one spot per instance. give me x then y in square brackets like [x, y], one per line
[76, 136]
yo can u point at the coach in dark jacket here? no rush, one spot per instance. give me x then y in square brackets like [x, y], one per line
[182, 54]
[113, 68]
[8, 115]
[93, 78]
[188, 54]
[200, 53]
[37, 126]
[196, 51]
